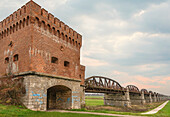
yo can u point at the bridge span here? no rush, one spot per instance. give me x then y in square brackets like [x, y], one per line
[116, 95]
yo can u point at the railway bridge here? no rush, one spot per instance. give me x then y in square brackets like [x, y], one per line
[116, 95]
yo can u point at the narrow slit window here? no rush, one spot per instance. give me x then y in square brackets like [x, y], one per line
[54, 60]
[6, 60]
[66, 63]
[15, 57]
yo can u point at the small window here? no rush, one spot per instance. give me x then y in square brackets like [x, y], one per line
[61, 48]
[6, 60]
[80, 76]
[66, 63]
[15, 57]
[54, 60]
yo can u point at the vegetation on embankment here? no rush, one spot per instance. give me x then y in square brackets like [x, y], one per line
[134, 110]
[19, 111]
[94, 100]
[96, 103]
[93, 104]
[16, 111]
[165, 112]
[11, 91]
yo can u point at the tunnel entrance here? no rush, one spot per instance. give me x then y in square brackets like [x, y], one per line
[59, 97]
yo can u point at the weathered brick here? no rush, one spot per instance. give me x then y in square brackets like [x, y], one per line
[34, 40]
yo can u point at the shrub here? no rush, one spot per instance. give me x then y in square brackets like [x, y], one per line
[11, 91]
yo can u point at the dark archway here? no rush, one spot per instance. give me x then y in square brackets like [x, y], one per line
[59, 97]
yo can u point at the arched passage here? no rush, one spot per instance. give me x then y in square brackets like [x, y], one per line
[59, 97]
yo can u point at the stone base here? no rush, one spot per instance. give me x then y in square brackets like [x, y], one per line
[148, 99]
[116, 100]
[44, 92]
[136, 99]
[137, 102]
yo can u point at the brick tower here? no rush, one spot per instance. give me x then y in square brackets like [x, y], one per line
[46, 53]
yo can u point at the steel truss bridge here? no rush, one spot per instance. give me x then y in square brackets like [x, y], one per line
[99, 84]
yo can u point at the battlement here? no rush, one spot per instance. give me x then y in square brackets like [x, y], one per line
[12, 18]
[32, 13]
[46, 53]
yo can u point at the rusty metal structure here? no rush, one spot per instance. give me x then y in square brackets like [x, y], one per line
[145, 91]
[99, 84]
[133, 89]
[115, 94]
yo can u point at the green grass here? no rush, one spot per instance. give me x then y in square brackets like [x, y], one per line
[100, 102]
[165, 112]
[91, 97]
[92, 102]
[109, 112]
[13, 111]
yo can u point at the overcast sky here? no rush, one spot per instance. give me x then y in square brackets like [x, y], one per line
[126, 40]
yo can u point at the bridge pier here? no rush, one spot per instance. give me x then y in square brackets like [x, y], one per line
[157, 98]
[136, 96]
[143, 98]
[137, 99]
[118, 99]
[148, 98]
[154, 98]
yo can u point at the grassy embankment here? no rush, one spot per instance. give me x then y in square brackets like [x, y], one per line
[13, 111]
[95, 104]
[165, 112]
[94, 100]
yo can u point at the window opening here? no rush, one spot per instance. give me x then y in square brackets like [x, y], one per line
[6, 60]
[66, 64]
[15, 57]
[54, 60]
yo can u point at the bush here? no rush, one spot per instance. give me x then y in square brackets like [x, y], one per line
[11, 91]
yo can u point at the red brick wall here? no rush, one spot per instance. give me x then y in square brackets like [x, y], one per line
[21, 41]
[37, 41]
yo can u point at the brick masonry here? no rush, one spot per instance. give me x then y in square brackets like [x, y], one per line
[32, 39]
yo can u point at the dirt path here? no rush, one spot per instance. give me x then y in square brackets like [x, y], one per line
[93, 113]
[115, 115]
[156, 109]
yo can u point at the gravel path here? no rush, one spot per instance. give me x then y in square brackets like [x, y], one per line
[156, 109]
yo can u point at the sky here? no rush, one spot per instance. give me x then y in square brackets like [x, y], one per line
[125, 40]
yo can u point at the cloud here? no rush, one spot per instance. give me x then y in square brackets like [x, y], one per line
[155, 19]
[52, 5]
[149, 67]
[93, 62]
[150, 83]
[150, 80]
[167, 79]
[141, 86]
[128, 41]
[139, 13]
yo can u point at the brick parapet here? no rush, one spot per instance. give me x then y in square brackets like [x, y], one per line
[33, 10]
[37, 37]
